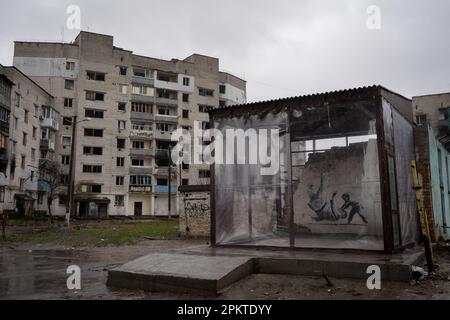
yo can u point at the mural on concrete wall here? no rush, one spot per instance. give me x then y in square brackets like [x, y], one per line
[338, 191]
[326, 210]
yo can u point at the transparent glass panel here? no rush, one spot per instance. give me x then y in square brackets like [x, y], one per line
[251, 207]
[404, 154]
[337, 200]
[335, 181]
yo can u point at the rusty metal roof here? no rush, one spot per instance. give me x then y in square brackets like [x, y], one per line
[350, 93]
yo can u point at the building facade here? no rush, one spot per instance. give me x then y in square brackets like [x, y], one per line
[32, 129]
[118, 110]
[434, 110]
[6, 86]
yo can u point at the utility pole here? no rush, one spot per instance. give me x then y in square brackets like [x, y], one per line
[69, 205]
[170, 182]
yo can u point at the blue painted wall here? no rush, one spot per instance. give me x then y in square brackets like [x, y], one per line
[440, 184]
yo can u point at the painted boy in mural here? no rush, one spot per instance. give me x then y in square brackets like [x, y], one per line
[325, 210]
[355, 208]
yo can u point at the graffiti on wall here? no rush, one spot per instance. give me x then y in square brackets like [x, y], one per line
[196, 207]
[325, 210]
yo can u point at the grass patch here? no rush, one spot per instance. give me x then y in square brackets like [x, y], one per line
[111, 233]
[26, 223]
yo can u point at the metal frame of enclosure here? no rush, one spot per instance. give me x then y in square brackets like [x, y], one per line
[344, 180]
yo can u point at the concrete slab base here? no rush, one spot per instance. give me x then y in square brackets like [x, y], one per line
[181, 273]
[209, 270]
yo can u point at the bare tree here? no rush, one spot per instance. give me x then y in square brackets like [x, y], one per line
[50, 173]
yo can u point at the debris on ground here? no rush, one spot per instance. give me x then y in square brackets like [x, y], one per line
[327, 279]
[418, 273]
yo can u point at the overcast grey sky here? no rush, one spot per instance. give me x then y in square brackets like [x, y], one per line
[282, 48]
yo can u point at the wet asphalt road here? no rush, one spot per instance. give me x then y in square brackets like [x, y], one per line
[39, 272]
[36, 272]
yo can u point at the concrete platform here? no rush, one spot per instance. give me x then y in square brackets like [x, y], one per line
[209, 270]
[181, 273]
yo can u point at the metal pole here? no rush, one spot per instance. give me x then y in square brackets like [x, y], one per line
[69, 206]
[425, 228]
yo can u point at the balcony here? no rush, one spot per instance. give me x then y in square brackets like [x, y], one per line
[141, 170]
[142, 98]
[167, 101]
[140, 189]
[137, 132]
[50, 123]
[162, 135]
[47, 145]
[165, 189]
[142, 152]
[143, 80]
[166, 118]
[142, 116]
[164, 171]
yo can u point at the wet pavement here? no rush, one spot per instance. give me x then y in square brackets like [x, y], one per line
[39, 272]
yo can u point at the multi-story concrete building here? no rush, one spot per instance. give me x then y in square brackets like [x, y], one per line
[32, 130]
[434, 110]
[122, 108]
[5, 109]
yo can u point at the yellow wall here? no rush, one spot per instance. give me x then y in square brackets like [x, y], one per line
[146, 200]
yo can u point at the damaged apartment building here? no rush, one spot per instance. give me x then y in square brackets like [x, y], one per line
[29, 125]
[117, 111]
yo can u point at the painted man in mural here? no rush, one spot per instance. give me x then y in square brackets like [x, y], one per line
[355, 208]
[324, 209]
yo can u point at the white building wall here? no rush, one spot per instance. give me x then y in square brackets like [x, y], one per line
[233, 95]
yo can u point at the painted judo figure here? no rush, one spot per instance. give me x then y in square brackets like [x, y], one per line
[326, 211]
[323, 209]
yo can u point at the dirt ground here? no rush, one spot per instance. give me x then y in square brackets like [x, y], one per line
[37, 271]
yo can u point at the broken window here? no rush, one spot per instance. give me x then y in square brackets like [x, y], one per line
[123, 71]
[122, 106]
[92, 113]
[96, 76]
[121, 143]
[93, 151]
[67, 121]
[205, 92]
[92, 169]
[93, 132]
[137, 162]
[95, 96]
[69, 84]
